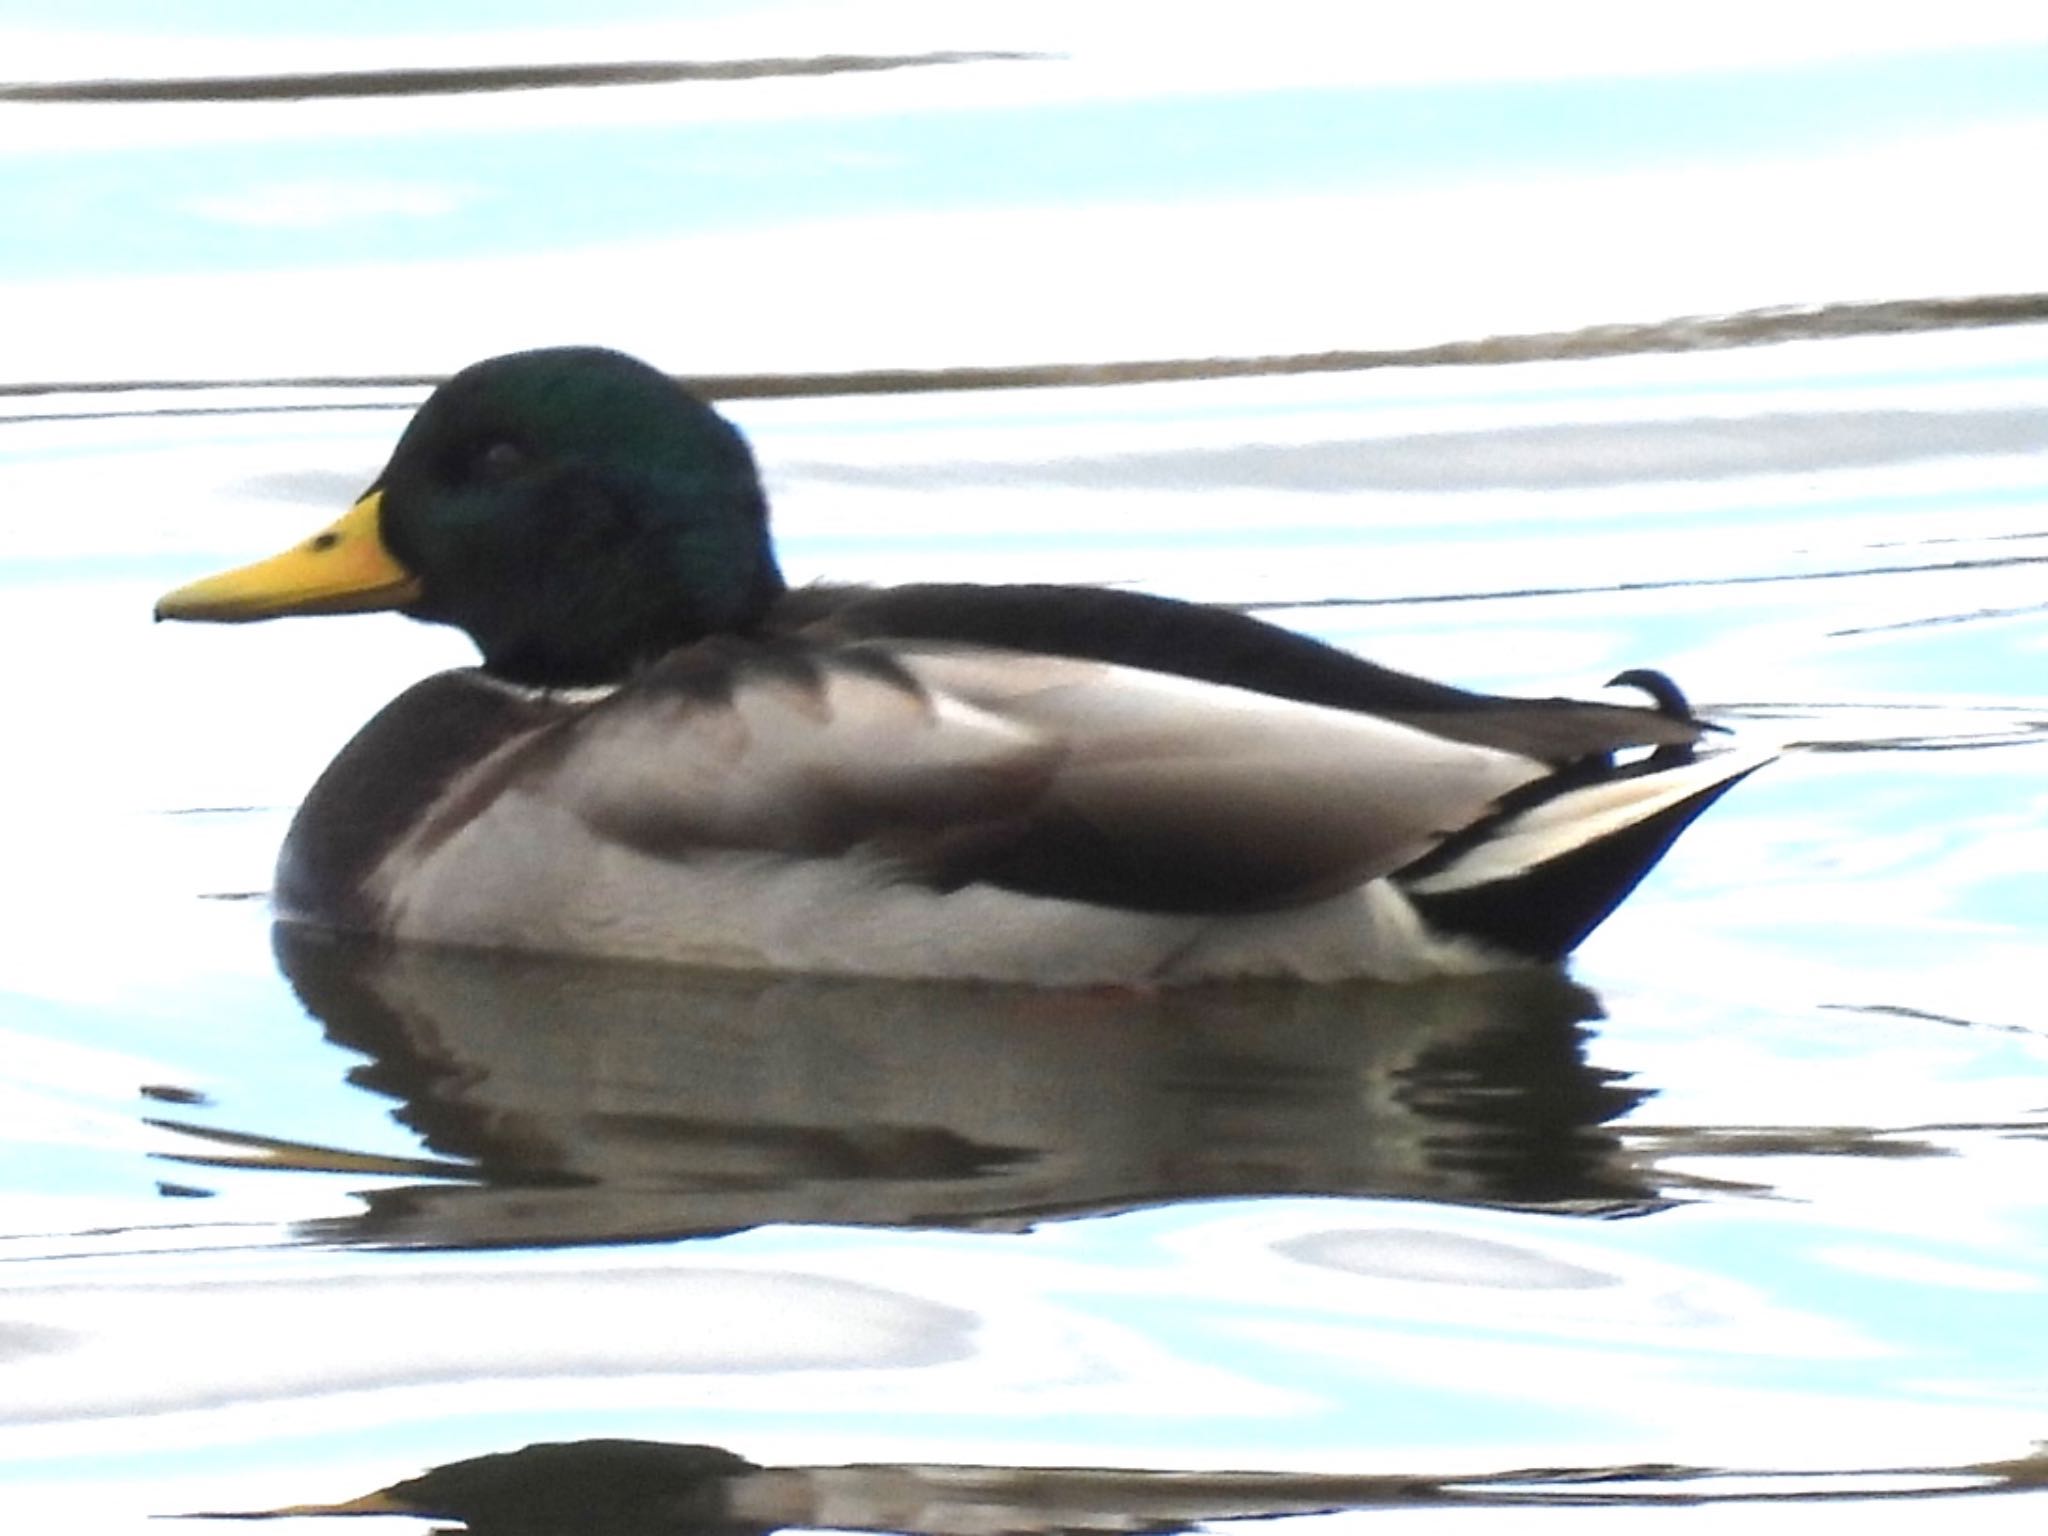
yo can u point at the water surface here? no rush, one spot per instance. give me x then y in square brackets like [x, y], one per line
[1738, 1222]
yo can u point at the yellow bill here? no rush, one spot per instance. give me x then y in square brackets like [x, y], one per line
[345, 568]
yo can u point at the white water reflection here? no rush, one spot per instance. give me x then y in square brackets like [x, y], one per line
[1100, 284]
[1023, 183]
[1203, 1338]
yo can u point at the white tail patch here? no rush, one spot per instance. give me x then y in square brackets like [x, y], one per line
[1578, 818]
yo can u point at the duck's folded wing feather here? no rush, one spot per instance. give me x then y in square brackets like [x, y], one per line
[783, 750]
[1056, 777]
[1175, 794]
[1149, 633]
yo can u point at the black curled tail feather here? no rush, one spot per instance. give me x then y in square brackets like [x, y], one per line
[1545, 907]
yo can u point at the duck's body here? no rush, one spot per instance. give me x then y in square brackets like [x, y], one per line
[667, 755]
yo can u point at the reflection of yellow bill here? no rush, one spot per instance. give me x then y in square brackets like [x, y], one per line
[300, 1156]
[345, 568]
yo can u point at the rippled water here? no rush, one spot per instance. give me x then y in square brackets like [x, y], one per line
[1747, 1208]
[1738, 1225]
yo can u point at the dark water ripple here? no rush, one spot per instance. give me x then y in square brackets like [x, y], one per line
[474, 79]
[644, 1488]
[1687, 333]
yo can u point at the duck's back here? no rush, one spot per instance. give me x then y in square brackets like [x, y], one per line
[1225, 646]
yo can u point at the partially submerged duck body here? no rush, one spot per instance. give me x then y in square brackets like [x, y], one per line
[667, 755]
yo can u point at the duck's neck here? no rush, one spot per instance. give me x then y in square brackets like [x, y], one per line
[607, 644]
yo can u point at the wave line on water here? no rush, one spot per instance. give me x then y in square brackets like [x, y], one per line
[1686, 333]
[475, 79]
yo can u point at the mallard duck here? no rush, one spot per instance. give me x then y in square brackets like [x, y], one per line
[669, 754]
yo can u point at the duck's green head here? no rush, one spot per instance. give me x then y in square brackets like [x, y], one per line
[576, 512]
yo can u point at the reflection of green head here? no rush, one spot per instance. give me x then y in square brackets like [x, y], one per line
[578, 513]
[601, 1487]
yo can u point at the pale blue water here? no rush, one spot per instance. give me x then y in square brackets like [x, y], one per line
[520, 190]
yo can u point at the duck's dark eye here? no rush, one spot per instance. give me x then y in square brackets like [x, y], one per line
[498, 462]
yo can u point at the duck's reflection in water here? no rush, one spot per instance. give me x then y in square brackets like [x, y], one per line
[573, 1102]
[644, 1488]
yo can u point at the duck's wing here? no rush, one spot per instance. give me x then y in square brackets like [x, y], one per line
[791, 748]
[1220, 645]
[1049, 775]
